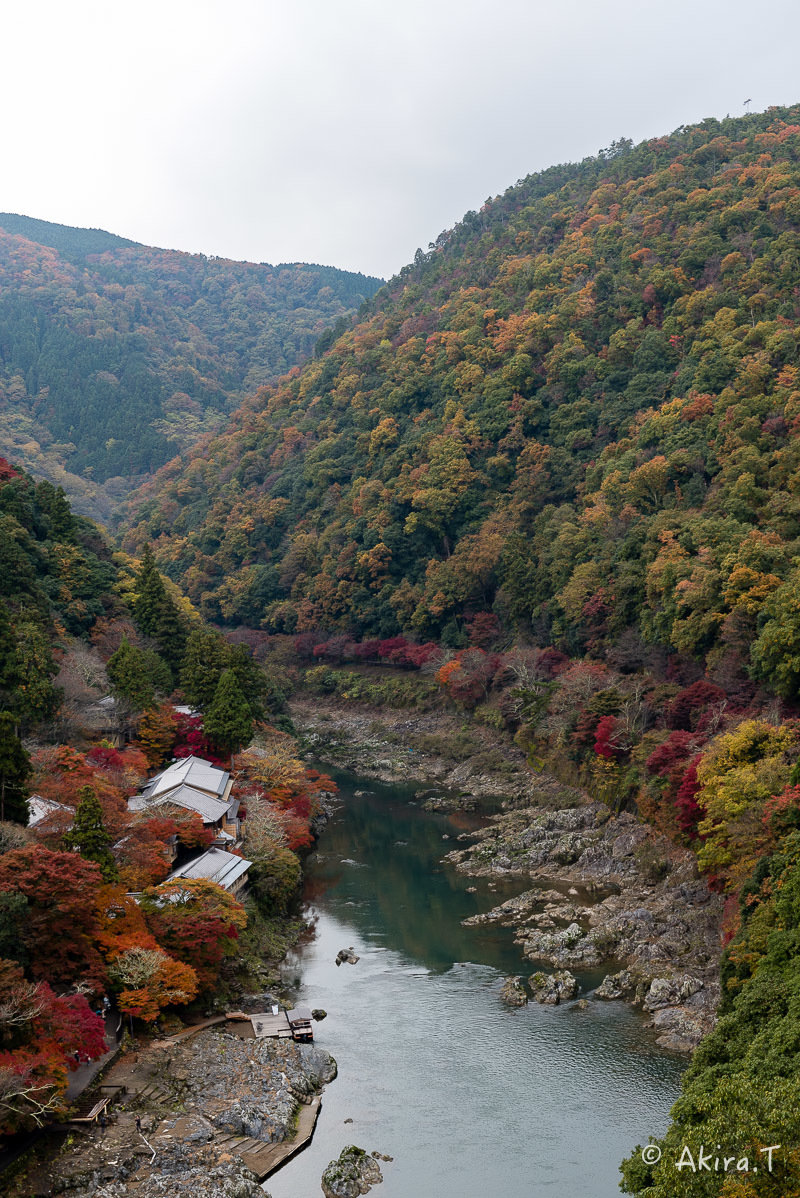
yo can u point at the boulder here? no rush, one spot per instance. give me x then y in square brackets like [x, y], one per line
[551, 988]
[671, 992]
[513, 992]
[353, 1173]
[617, 985]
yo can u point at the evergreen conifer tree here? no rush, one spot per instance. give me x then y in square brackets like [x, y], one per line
[10, 666]
[157, 613]
[228, 722]
[150, 594]
[53, 502]
[130, 676]
[206, 656]
[251, 679]
[88, 834]
[15, 769]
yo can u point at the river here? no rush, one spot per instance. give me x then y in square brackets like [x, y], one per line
[471, 1098]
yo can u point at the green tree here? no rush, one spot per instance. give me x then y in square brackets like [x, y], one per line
[776, 652]
[274, 877]
[14, 920]
[206, 656]
[130, 675]
[15, 769]
[170, 635]
[251, 679]
[10, 665]
[53, 503]
[228, 722]
[150, 594]
[157, 613]
[36, 698]
[88, 835]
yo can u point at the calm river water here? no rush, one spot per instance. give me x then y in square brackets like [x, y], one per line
[471, 1098]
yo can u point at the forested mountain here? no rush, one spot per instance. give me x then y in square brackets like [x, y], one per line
[577, 409]
[557, 466]
[557, 469]
[113, 355]
[92, 648]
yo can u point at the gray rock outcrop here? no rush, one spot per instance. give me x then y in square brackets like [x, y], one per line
[513, 992]
[353, 1173]
[553, 988]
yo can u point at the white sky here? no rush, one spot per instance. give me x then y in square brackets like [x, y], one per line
[349, 132]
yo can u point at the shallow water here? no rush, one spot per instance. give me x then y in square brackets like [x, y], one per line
[471, 1098]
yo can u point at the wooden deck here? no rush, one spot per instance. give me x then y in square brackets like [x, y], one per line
[266, 1025]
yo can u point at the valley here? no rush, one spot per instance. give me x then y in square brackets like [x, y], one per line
[481, 589]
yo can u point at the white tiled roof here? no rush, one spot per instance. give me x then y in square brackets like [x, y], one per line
[193, 771]
[39, 808]
[216, 865]
[208, 806]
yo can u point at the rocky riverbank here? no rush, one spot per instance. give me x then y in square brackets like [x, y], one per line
[433, 747]
[609, 892]
[205, 1105]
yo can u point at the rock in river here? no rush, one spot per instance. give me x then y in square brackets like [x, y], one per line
[552, 987]
[355, 1172]
[514, 992]
[617, 985]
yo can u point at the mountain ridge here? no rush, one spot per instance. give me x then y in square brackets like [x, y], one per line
[531, 415]
[112, 353]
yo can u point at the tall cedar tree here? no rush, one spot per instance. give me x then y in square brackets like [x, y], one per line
[157, 614]
[10, 665]
[130, 677]
[251, 679]
[228, 723]
[206, 656]
[15, 769]
[53, 502]
[88, 835]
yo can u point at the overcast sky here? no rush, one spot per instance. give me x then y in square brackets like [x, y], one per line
[350, 132]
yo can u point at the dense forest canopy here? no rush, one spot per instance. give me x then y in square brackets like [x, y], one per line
[113, 355]
[97, 655]
[71, 242]
[577, 409]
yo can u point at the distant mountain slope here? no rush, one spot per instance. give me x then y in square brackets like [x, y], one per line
[69, 241]
[113, 355]
[580, 410]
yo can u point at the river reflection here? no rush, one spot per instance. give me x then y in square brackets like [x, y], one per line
[472, 1099]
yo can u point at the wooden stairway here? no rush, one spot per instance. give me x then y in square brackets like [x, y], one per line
[262, 1157]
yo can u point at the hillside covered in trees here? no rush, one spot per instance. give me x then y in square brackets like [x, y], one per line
[552, 477]
[114, 356]
[98, 658]
[577, 410]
